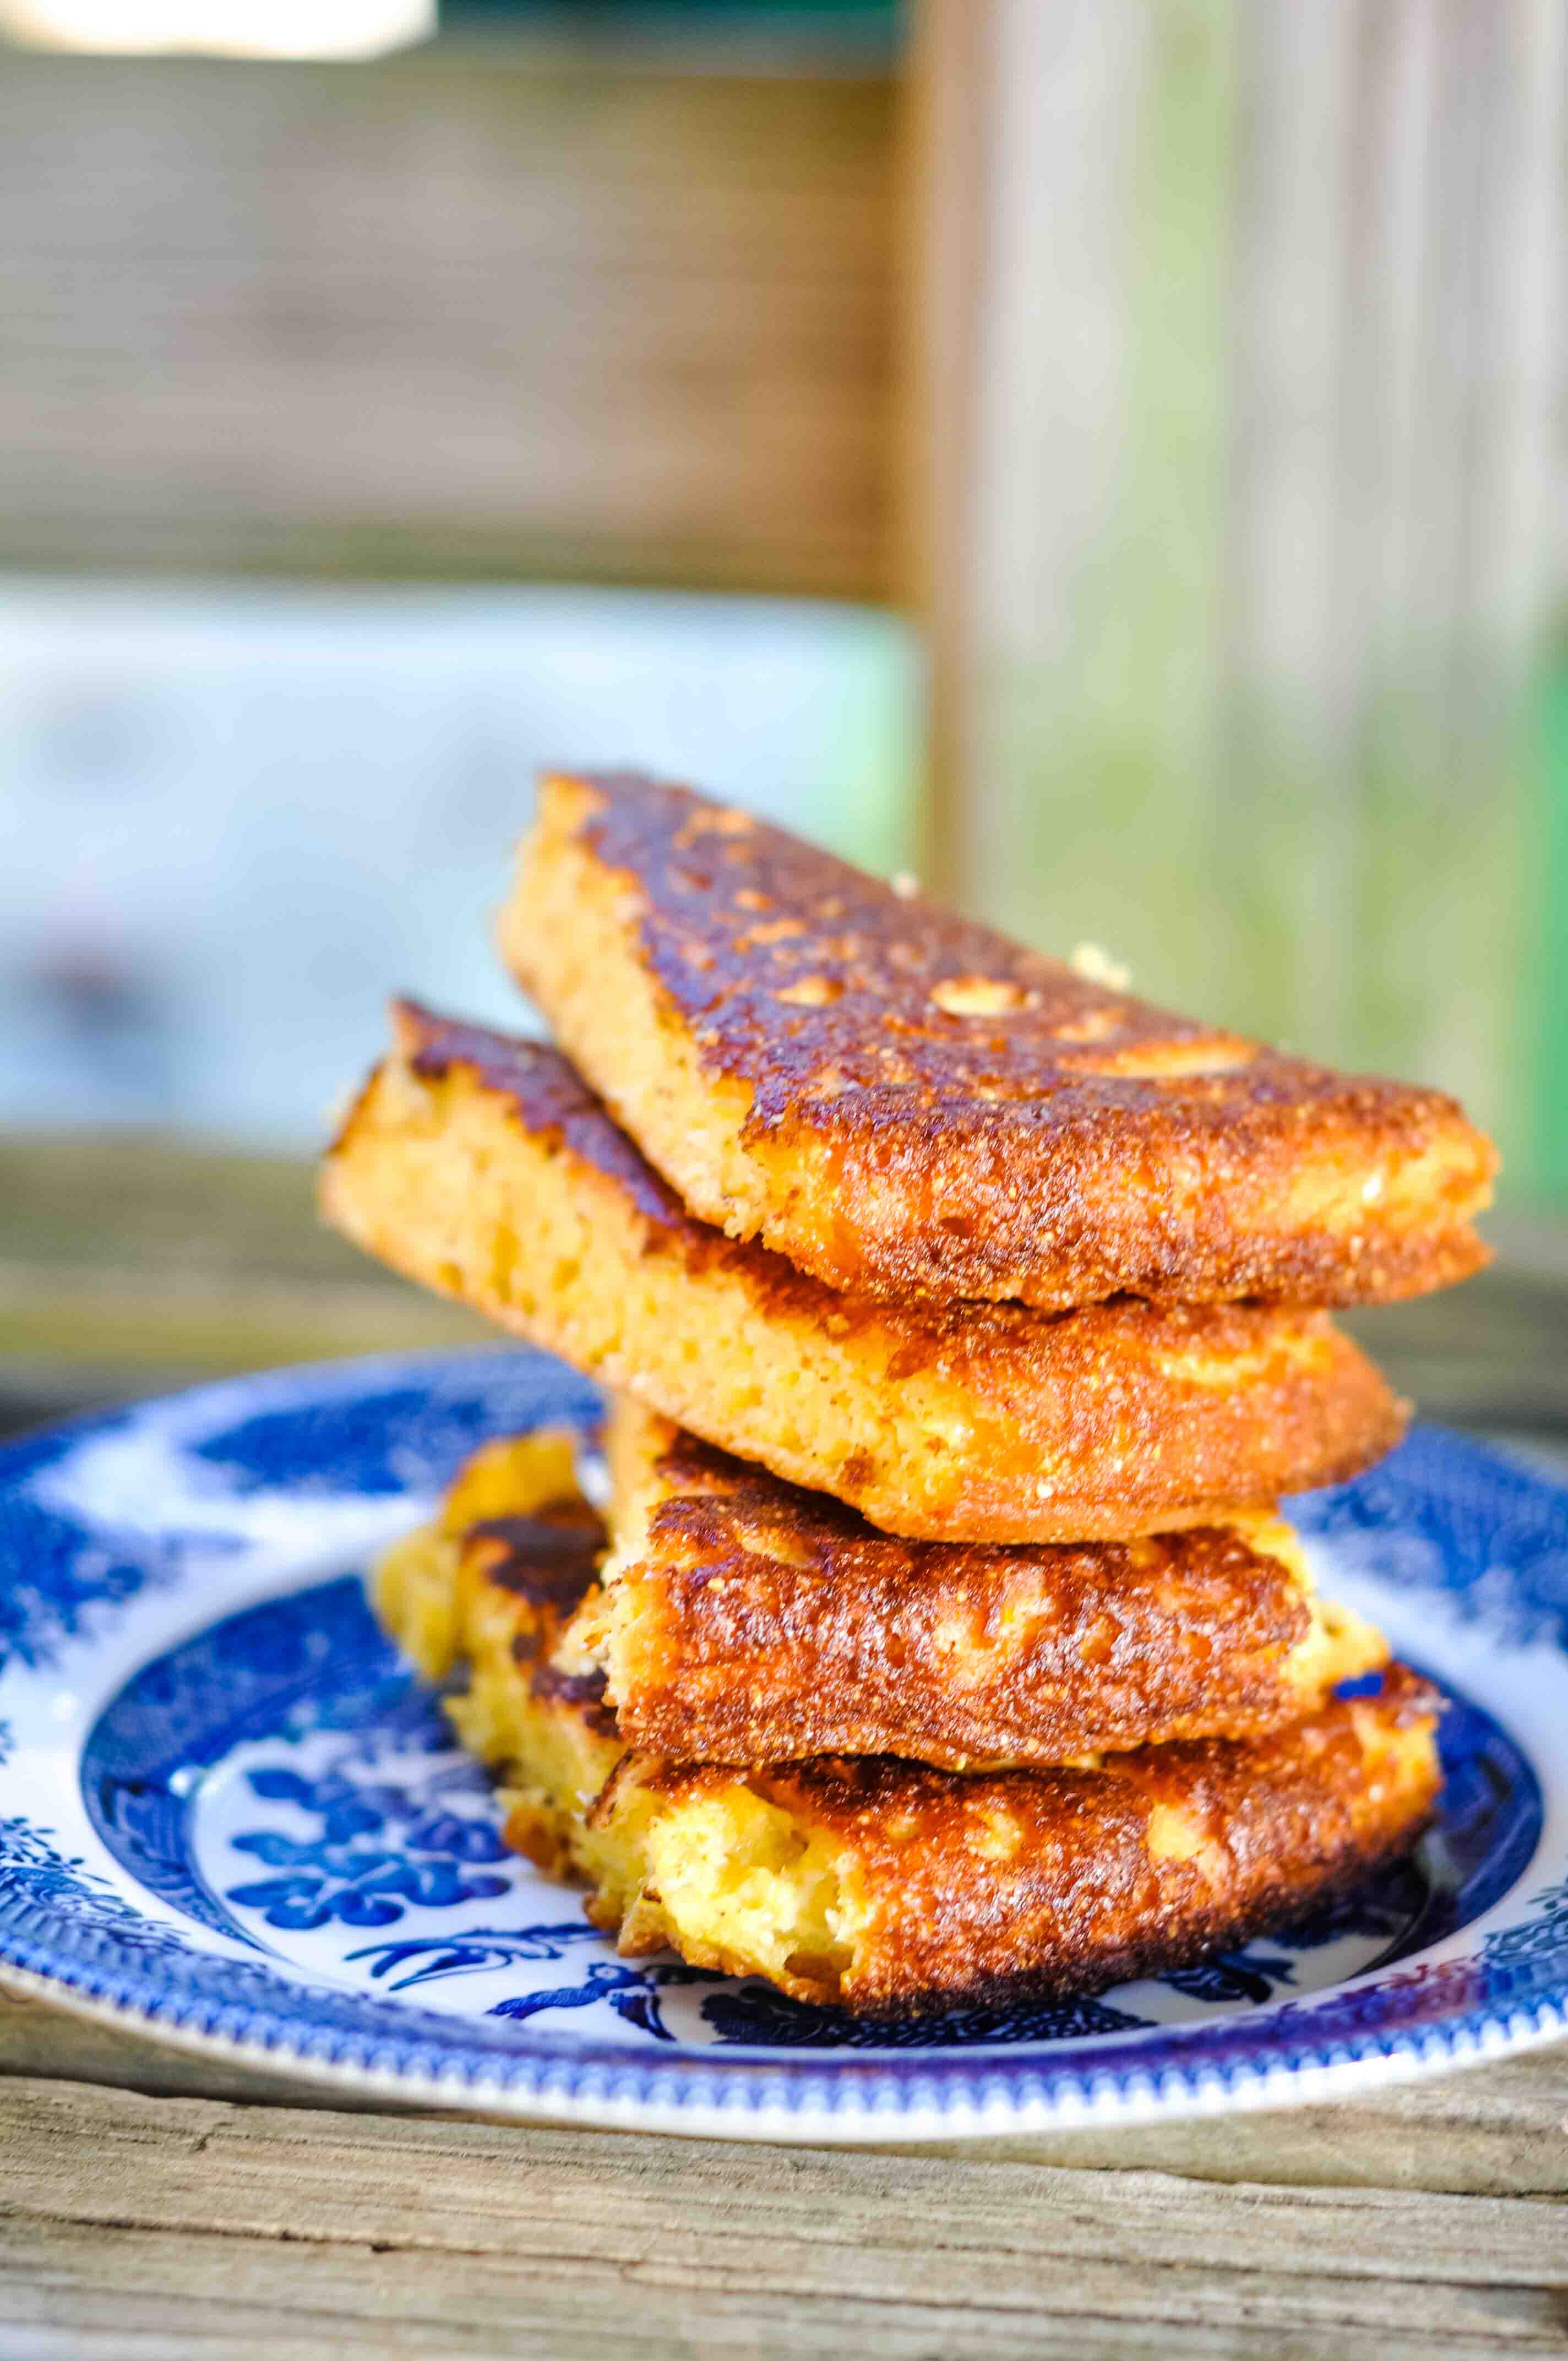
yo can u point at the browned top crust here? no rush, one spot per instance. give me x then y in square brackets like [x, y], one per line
[886, 1886]
[980, 1887]
[550, 1098]
[933, 1110]
[502, 1180]
[752, 1622]
[548, 1556]
[546, 1561]
[580, 1693]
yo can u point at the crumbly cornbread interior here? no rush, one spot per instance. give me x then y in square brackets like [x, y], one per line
[481, 1165]
[879, 1886]
[721, 1873]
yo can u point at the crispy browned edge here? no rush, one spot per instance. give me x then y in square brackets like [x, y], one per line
[1294, 1819]
[1011, 1425]
[1181, 1849]
[909, 1104]
[1280, 1825]
[749, 1622]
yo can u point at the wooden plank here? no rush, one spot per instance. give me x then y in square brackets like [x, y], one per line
[1487, 2131]
[133, 1331]
[463, 2230]
[106, 1202]
[477, 312]
[127, 1267]
[97, 2296]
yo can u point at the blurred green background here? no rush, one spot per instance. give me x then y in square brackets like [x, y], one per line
[1105, 457]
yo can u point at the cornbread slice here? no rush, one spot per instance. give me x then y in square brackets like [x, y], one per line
[909, 1105]
[746, 1621]
[887, 1887]
[891, 1889]
[481, 1165]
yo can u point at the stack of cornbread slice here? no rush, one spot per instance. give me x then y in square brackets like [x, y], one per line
[965, 1321]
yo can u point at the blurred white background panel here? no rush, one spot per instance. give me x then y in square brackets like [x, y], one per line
[223, 28]
[233, 819]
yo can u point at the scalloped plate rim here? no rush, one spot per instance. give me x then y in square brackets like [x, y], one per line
[789, 2097]
[1484, 2038]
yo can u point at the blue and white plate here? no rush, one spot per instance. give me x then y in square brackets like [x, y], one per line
[231, 1817]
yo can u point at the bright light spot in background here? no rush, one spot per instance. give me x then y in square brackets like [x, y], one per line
[235, 28]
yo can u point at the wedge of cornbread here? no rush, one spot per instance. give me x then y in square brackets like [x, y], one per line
[745, 1621]
[891, 1889]
[884, 1886]
[911, 1106]
[482, 1166]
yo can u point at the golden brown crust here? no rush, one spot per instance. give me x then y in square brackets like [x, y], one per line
[986, 1888]
[482, 1166]
[748, 1621]
[887, 1886]
[909, 1105]
[548, 1555]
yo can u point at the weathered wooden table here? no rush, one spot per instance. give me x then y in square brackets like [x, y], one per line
[155, 2207]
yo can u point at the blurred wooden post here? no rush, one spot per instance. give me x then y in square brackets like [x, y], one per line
[947, 95]
[1238, 342]
[1397, 363]
[1072, 462]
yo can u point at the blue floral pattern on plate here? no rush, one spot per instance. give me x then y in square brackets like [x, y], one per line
[264, 1838]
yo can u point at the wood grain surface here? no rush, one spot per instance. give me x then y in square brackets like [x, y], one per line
[522, 310]
[152, 2205]
[158, 2207]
